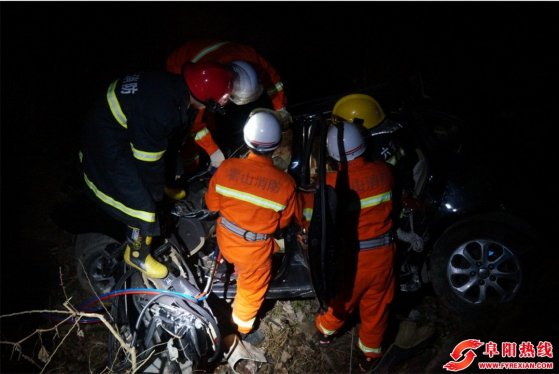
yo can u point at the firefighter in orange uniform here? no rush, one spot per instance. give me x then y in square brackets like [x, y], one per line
[371, 290]
[254, 199]
[254, 75]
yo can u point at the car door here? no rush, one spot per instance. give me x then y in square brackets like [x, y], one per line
[310, 141]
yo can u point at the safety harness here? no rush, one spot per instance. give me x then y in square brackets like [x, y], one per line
[245, 234]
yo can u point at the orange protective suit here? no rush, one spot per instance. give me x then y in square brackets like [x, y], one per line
[372, 287]
[224, 52]
[259, 198]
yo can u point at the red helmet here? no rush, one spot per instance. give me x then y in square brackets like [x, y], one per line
[209, 82]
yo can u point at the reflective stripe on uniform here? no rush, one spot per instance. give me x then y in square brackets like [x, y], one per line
[366, 349]
[146, 156]
[244, 324]
[207, 50]
[140, 214]
[376, 200]
[249, 198]
[116, 110]
[118, 114]
[277, 88]
[325, 331]
[377, 242]
[245, 234]
[307, 213]
[200, 134]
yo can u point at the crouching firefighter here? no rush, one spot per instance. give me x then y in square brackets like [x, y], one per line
[254, 199]
[257, 84]
[125, 137]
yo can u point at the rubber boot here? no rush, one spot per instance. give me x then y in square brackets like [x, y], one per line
[137, 255]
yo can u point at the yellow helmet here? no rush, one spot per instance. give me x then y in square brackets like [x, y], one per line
[359, 109]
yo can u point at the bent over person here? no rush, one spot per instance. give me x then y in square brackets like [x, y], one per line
[125, 137]
[370, 287]
[254, 199]
[254, 76]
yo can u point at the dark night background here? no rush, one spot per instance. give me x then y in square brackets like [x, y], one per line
[493, 63]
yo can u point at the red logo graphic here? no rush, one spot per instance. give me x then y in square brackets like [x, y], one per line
[469, 356]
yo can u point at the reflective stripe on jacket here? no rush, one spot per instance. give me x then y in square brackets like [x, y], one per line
[124, 139]
[225, 52]
[373, 182]
[260, 198]
[253, 193]
[370, 288]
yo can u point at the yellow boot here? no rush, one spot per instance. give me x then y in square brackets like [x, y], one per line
[137, 255]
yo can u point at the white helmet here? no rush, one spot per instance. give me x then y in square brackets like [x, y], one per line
[246, 85]
[262, 130]
[354, 144]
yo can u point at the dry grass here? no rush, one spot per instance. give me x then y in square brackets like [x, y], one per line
[290, 343]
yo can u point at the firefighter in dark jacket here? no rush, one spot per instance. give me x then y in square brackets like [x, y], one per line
[124, 140]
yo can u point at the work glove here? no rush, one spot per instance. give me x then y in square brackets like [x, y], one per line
[217, 158]
[284, 118]
[175, 193]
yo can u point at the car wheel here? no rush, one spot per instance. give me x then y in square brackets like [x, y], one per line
[96, 262]
[478, 267]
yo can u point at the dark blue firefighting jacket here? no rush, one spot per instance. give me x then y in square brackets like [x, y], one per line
[124, 140]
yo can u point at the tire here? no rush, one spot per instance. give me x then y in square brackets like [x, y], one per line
[96, 261]
[479, 267]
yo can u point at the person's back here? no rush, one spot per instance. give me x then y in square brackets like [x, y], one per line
[373, 182]
[225, 52]
[124, 140]
[265, 189]
[254, 199]
[254, 75]
[200, 50]
[365, 207]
